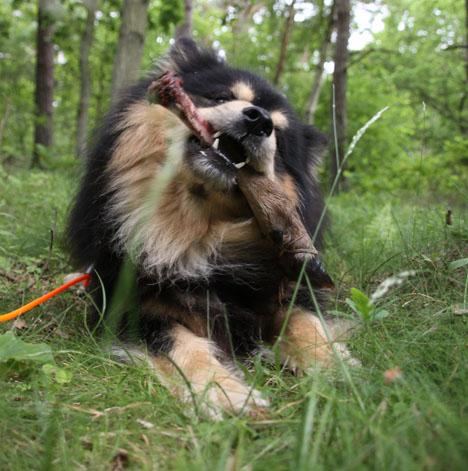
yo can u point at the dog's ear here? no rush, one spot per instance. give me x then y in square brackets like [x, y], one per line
[187, 56]
[184, 46]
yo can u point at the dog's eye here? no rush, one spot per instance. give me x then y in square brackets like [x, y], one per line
[222, 98]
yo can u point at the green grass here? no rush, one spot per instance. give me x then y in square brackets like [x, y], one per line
[418, 421]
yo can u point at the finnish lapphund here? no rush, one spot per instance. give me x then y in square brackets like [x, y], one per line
[206, 288]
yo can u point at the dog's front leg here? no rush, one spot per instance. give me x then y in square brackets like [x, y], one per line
[193, 370]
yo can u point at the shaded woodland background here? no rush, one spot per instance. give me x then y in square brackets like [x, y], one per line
[63, 62]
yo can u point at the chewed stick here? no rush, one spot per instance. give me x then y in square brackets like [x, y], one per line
[275, 213]
[279, 220]
[169, 93]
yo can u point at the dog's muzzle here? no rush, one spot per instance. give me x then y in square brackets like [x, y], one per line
[257, 121]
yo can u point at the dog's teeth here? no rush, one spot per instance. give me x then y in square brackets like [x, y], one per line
[217, 134]
[240, 164]
[216, 143]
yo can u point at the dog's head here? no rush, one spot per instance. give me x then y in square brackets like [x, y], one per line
[253, 121]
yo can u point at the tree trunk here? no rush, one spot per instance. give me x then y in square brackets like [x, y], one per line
[130, 45]
[43, 97]
[85, 79]
[289, 22]
[343, 11]
[314, 96]
[184, 30]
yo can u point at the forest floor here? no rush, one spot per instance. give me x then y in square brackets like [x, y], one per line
[406, 407]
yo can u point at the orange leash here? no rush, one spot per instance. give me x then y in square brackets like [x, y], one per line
[85, 278]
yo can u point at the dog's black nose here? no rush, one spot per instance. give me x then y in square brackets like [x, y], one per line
[257, 121]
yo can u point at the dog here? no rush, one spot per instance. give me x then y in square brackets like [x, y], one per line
[206, 287]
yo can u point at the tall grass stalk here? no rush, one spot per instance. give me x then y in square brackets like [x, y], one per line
[307, 428]
[356, 138]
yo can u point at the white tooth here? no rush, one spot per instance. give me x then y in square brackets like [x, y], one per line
[216, 143]
[240, 164]
[217, 134]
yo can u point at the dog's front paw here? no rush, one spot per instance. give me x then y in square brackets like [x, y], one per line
[233, 396]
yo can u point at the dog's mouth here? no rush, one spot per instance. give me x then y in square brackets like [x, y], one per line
[231, 148]
[169, 93]
[228, 148]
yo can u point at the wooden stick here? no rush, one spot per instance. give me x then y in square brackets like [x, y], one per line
[276, 214]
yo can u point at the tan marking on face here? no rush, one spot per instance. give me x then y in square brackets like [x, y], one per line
[225, 115]
[243, 91]
[279, 119]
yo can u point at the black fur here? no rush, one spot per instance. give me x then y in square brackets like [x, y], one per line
[242, 305]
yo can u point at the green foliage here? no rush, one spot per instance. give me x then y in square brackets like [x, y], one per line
[56, 374]
[169, 14]
[17, 58]
[411, 66]
[458, 263]
[364, 307]
[46, 195]
[14, 349]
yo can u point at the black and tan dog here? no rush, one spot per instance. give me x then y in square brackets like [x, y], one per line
[208, 286]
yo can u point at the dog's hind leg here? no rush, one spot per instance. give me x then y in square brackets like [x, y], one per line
[306, 344]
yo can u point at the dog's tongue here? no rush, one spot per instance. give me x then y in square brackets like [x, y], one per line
[169, 93]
